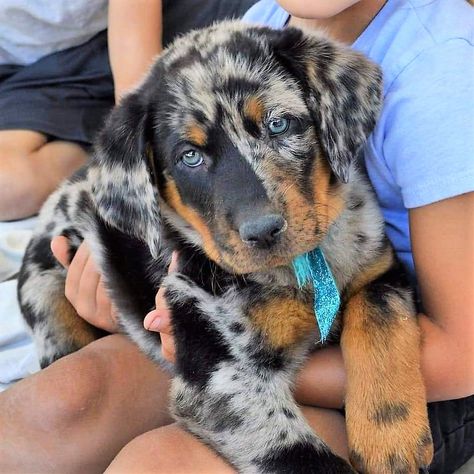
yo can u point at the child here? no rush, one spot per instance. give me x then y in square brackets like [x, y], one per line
[417, 125]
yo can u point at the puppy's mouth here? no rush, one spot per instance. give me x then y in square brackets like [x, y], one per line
[252, 255]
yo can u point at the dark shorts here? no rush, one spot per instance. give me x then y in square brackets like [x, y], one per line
[66, 95]
[452, 427]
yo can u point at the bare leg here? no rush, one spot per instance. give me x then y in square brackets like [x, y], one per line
[31, 169]
[173, 450]
[77, 414]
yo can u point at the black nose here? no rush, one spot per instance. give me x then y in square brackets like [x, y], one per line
[262, 231]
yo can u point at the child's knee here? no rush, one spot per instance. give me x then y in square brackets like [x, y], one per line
[69, 392]
[15, 165]
[144, 453]
[21, 141]
[168, 449]
[24, 183]
[19, 180]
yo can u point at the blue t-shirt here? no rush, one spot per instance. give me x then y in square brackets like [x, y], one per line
[422, 149]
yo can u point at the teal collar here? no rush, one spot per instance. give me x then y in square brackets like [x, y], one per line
[311, 267]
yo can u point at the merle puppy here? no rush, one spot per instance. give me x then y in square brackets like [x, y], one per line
[238, 150]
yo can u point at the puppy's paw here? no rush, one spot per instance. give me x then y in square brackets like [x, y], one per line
[394, 439]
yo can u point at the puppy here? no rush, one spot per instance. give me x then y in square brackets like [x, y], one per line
[239, 151]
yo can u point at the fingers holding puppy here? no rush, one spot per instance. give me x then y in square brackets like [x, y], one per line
[84, 287]
[159, 319]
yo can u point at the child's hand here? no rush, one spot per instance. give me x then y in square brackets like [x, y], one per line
[84, 286]
[159, 319]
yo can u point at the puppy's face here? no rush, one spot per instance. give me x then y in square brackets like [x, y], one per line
[240, 144]
[239, 159]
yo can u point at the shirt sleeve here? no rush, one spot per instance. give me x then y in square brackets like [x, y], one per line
[429, 130]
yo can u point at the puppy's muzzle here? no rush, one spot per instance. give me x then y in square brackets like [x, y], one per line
[262, 232]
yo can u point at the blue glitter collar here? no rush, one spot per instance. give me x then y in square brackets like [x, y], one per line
[312, 267]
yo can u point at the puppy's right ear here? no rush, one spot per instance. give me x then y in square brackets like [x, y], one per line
[123, 191]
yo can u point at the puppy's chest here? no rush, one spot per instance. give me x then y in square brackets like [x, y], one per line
[281, 313]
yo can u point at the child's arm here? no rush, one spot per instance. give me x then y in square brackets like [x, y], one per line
[443, 248]
[442, 236]
[135, 31]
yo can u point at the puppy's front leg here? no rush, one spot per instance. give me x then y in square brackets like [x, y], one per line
[386, 413]
[233, 388]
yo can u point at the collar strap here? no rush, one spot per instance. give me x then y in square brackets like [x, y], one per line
[311, 267]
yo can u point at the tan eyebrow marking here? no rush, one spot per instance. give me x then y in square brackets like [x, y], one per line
[254, 109]
[196, 134]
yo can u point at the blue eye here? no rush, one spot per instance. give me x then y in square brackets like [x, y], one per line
[278, 125]
[192, 158]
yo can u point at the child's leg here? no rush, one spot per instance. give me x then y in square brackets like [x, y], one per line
[77, 414]
[31, 168]
[172, 450]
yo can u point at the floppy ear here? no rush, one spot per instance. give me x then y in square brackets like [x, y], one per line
[123, 191]
[343, 91]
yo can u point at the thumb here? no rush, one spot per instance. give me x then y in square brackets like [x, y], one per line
[174, 263]
[60, 249]
[158, 320]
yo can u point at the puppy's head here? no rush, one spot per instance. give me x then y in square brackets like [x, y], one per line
[250, 134]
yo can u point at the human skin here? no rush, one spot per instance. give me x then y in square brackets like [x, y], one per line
[161, 450]
[344, 20]
[31, 168]
[134, 38]
[317, 9]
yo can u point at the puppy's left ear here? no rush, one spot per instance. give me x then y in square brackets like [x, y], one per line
[123, 190]
[343, 90]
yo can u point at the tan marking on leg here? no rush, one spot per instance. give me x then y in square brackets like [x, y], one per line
[173, 198]
[284, 321]
[196, 134]
[386, 410]
[254, 110]
[73, 326]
